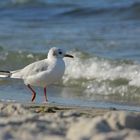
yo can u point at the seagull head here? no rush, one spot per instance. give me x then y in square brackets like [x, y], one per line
[58, 53]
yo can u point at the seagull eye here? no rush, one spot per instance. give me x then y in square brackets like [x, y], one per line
[60, 52]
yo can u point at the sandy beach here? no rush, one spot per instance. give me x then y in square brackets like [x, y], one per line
[58, 122]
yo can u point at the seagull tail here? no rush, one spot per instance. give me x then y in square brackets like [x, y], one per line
[10, 74]
[16, 74]
[5, 74]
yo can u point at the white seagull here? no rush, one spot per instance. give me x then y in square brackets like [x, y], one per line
[41, 73]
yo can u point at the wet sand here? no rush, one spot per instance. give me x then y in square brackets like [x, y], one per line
[58, 122]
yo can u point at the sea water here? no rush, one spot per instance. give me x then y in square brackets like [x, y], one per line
[102, 35]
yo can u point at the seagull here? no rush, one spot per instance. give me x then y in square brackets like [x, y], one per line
[41, 73]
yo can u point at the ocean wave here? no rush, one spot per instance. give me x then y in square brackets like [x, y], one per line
[125, 10]
[103, 76]
[76, 9]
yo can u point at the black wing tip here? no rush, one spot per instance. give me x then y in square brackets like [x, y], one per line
[4, 71]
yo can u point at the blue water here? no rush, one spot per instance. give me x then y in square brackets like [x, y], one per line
[102, 35]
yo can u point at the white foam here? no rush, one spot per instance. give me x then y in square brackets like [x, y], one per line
[92, 72]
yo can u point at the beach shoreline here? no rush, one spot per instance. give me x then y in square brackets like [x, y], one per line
[58, 122]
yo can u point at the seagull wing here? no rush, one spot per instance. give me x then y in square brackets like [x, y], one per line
[30, 70]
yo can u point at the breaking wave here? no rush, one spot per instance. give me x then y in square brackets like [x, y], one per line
[103, 76]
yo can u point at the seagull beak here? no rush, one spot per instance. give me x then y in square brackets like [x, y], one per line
[68, 55]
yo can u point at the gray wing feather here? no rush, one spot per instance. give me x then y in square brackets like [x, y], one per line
[30, 69]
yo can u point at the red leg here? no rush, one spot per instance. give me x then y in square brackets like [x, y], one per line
[45, 94]
[33, 93]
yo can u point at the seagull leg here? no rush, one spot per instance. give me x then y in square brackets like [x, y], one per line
[33, 93]
[45, 94]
